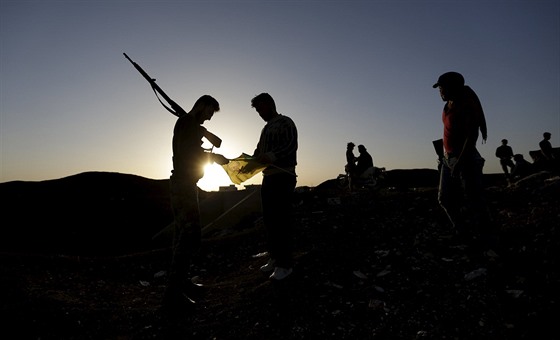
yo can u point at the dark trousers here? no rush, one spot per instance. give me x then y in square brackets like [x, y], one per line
[186, 231]
[461, 196]
[505, 163]
[277, 194]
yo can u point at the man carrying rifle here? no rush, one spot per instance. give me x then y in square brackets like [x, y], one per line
[189, 159]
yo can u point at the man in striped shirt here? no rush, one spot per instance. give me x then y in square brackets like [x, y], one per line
[277, 148]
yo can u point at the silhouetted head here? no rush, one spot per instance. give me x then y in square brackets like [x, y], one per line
[546, 135]
[361, 148]
[517, 157]
[204, 108]
[450, 79]
[350, 145]
[265, 106]
[450, 84]
[504, 141]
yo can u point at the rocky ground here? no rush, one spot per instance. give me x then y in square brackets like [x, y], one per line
[379, 264]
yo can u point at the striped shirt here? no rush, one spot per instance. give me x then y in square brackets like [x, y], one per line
[279, 140]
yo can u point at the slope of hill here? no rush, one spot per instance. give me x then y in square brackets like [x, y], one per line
[88, 213]
[379, 264]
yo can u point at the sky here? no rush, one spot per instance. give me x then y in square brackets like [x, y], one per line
[344, 71]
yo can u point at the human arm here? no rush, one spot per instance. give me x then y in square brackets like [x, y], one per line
[217, 158]
[483, 128]
[278, 142]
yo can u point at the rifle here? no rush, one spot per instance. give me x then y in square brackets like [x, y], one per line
[174, 108]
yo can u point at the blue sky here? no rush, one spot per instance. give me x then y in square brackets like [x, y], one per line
[359, 71]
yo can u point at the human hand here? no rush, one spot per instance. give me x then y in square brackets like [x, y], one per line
[266, 158]
[220, 159]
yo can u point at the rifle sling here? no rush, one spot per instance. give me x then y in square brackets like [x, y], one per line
[162, 103]
[175, 114]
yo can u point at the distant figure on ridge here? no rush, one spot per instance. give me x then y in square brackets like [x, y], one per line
[364, 164]
[277, 147]
[189, 159]
[461, 172]
[505, 153]
[350, 158]
[546, 147]
[350, 166]
[546, 158]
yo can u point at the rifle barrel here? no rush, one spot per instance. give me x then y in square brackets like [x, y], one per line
[176, 109]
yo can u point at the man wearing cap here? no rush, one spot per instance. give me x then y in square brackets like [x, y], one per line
[461, 171]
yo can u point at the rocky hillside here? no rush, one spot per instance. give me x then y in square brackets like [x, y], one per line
[373, 264]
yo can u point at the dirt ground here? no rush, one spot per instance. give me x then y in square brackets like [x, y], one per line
[380, 264]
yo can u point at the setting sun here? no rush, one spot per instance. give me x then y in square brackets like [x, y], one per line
[214, 177]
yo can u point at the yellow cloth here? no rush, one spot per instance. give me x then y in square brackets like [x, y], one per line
[242, 168]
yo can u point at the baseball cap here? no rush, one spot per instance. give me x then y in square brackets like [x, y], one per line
[450, 79]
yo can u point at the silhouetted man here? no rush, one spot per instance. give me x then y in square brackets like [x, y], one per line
[461, 171]
[277, 148]
[546, 146]
[365, 161]
[189, 159]
[350, 158]
[505, 153]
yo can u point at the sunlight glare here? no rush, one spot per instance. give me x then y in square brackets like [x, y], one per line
[214, 177]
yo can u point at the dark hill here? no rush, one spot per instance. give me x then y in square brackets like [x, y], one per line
[95, 213]
[372, 264]
[102, 213]
[88, 213]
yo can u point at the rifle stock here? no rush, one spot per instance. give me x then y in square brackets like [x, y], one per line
[175, 108]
